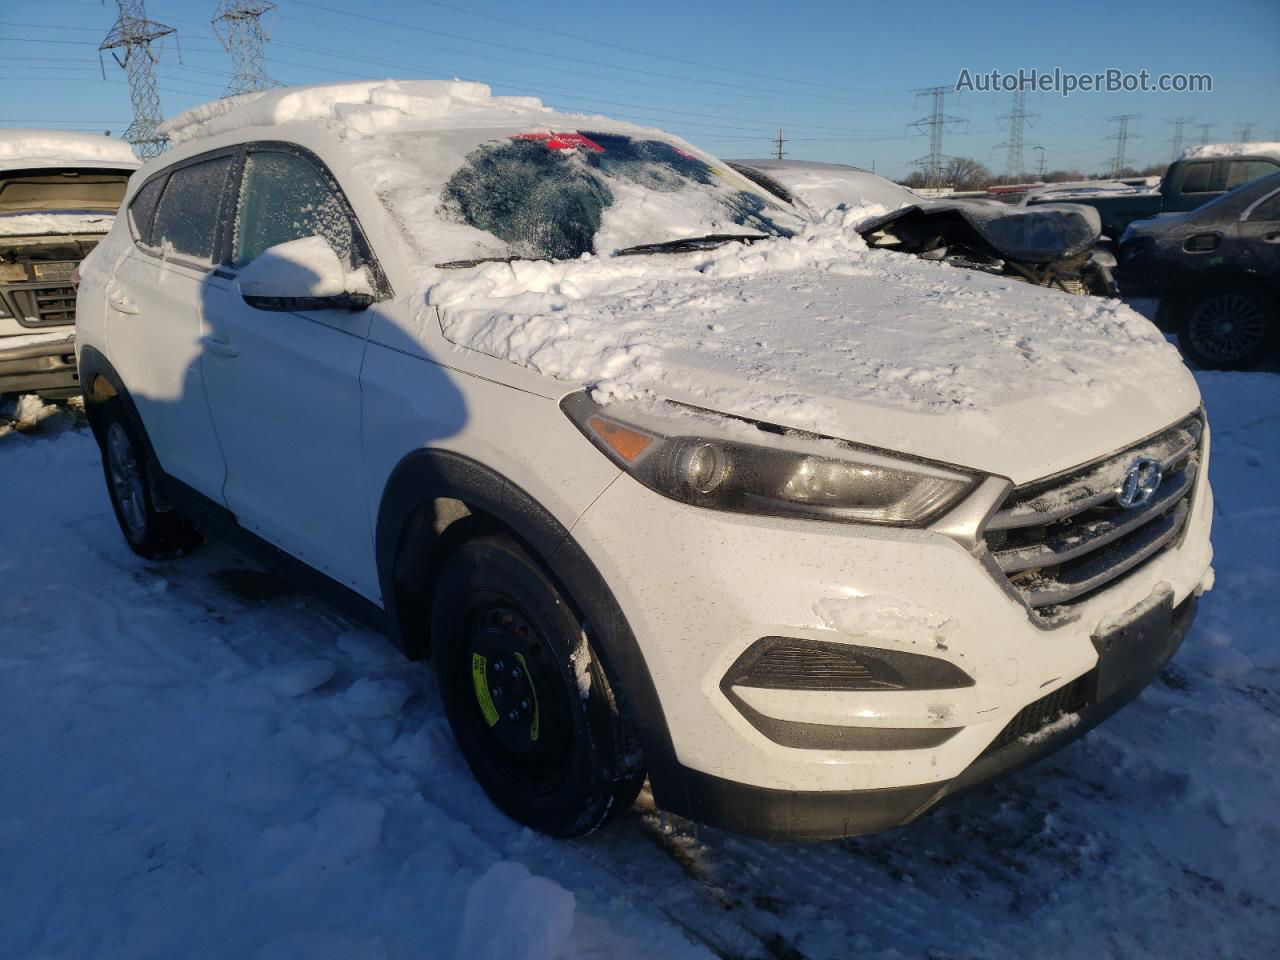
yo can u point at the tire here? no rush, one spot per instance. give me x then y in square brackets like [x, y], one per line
[151, 528]
[554, 752]
[1232, 327]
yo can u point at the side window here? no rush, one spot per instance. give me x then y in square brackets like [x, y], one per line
[1267, 210]
[1246, 171]
[143, 207]
[187, 218]
[284, 197]
[1197, 177]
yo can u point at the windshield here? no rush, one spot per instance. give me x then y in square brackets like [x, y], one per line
[559, 196]
[63, 191]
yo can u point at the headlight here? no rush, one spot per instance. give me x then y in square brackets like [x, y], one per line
[688, 458]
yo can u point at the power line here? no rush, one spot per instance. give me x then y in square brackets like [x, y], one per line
[593, 63]
[1122, 136]
[1176, 140]
[130, 41]
[238, 25]
[937, 122]
[595, 42]
[1017, 116]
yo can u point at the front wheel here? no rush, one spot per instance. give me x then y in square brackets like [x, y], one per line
[1228, 328]
[150, 527]
[538, 718]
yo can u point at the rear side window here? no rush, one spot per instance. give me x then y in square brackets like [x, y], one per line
[143, 207]
[187, 219]
[1267, 210]
[1240, 172]
[1197, 177]
[284, 197]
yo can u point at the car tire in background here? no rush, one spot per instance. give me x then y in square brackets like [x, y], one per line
[1228, 327]
[539, 719]
[151, 528]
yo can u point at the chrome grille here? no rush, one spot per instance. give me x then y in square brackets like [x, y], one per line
[1060, 539]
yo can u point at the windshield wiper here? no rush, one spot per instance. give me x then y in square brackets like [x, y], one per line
[463, 264]
[687, 244]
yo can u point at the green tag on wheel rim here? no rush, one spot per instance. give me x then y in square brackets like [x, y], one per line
[480, 680]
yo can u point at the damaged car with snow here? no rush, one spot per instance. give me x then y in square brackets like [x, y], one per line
[59, 192]
[669, 482]
[1050, 246]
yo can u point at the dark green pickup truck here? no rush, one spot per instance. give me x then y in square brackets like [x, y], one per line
[1186, 185]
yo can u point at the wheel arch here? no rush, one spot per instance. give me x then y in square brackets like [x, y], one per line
[102, 383]
[434, 499]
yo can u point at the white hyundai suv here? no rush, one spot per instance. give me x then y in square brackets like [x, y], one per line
[668, 482]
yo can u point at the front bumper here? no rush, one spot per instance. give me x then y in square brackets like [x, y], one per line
[796, 815]
[48, 365]
[699, 588]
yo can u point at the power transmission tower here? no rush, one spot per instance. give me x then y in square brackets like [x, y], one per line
[1013, 167]
[937, 122]
[1176, 139]
[238, 25]
[1246, 132]
[1122, 136]
[1204, 132]
[780, 141]
[131, 41]
[1040, 176]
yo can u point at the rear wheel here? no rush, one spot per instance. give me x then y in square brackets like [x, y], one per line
[151, 528]
[1228, 328]
[536, 715]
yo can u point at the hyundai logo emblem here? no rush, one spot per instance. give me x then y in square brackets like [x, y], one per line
[1140, 483]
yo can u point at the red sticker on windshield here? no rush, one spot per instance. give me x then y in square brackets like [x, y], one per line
[562, 141]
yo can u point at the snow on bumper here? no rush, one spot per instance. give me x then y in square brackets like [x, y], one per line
[700, 587]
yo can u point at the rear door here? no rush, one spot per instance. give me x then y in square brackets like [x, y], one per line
[1260, 233]
[153, 323]
[285, 387]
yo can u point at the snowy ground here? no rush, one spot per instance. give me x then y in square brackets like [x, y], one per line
[199, 762]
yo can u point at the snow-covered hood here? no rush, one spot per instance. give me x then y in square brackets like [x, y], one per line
[55, 223]
[33, 149]
[820, 333]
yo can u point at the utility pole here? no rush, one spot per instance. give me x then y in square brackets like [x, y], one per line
[1246, 132]
[1122, 136]
[1204, 132]
[779, 142]
[1040, 176]
[238, 26]
[936, 122]
[1176, 139]
[1013, 167]
[130, 41]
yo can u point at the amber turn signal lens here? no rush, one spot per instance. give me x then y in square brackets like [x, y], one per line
[626, 443]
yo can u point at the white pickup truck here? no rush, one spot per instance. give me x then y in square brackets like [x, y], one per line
[59, 192]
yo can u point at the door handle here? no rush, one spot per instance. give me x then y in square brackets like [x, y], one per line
[123, 305]
[221, 347]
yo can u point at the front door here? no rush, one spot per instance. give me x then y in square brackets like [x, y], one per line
[284, 387]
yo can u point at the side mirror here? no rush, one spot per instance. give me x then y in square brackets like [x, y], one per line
[304, 274]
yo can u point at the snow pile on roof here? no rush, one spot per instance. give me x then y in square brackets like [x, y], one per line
[1261, 148]
[787, 330]
[365, 107]
[41, 148]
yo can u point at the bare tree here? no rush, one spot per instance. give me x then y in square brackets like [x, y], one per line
[965, 173]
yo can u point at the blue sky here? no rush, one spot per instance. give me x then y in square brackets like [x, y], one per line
[836, 75]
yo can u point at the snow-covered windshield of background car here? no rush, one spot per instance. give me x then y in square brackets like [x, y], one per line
[558, 196]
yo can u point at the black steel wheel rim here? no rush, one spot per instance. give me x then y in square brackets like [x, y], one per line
[515, 694]
[1227, 327]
